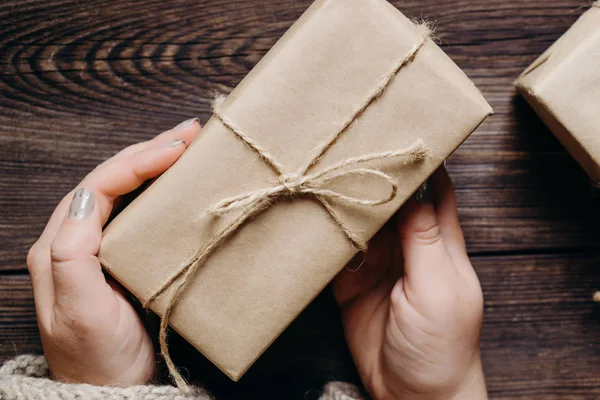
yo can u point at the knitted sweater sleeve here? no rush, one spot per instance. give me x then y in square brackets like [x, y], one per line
[27, 378]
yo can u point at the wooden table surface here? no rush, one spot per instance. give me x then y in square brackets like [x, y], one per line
[80, 80]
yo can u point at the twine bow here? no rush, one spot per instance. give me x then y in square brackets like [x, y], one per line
[290, 185]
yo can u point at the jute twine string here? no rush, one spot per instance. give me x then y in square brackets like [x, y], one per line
[290, 185]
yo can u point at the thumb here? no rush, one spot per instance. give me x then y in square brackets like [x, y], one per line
[423, 249]
[77, 274]
[76, 271]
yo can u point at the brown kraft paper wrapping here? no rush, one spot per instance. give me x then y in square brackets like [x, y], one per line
[563, 87]
[254, 285]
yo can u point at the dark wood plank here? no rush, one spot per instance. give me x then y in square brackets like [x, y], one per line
[540, 335]
[80, 81]
[18, 325]
[539, 341]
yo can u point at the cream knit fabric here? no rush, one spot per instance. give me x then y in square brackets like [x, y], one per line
[26, 378]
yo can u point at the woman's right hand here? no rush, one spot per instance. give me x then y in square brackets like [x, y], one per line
[412, 313]
[90, 333]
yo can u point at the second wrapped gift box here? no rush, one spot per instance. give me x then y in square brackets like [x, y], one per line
[563, 86]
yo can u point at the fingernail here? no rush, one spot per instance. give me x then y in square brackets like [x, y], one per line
[172, 143]
[185, 124]
[425, 193]
[82, 204]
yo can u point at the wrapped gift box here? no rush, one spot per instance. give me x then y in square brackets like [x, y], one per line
[563, 86]
[327, 71]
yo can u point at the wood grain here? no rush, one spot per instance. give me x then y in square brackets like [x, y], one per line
[18, 326]
[80, 80]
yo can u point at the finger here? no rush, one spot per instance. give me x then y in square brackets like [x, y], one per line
[186, 131]
[365, 271]
[125, 175]
[39, 259]
[423, 248]
[447, 214]
[76, 271]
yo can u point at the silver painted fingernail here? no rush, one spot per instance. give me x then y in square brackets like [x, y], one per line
[172, 143]
[82, 204]
[185, 124]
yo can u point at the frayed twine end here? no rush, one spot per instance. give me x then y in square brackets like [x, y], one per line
[217, 100]
[426, 28]
[420, 153]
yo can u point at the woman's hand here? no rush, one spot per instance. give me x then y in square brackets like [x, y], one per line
[90, 333]
[412, 313]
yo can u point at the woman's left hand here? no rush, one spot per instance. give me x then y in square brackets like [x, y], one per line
[90, 333]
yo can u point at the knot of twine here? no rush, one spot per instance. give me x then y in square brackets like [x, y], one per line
[293, 183]
[289, 185]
